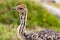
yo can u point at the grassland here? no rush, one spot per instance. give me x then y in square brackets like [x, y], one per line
[37, 16]
[55, 4]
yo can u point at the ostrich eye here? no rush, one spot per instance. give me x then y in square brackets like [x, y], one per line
[20, 8]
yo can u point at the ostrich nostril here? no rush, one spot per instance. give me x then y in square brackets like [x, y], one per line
[13, 8]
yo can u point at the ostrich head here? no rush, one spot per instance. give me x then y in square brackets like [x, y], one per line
[20, 8]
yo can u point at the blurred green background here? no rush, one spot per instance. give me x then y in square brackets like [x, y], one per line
[37, 17]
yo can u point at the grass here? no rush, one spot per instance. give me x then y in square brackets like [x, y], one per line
[55, 4]
[37, 16]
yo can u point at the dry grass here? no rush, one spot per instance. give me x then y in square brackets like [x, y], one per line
[55, 5]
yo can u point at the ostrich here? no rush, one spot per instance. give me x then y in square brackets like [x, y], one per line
[39, 35]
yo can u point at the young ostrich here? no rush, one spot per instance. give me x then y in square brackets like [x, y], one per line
[39, 35]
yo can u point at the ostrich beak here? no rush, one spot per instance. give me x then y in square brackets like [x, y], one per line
[14, 8]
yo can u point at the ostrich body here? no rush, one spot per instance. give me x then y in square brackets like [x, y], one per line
[39, 35]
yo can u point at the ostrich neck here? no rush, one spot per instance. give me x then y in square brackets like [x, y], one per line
[23, 17]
